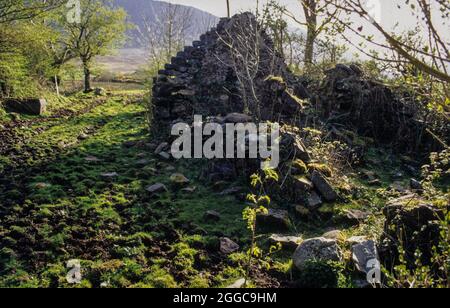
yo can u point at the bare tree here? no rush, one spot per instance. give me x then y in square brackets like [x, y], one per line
[166, 32]
[430, 56]
[244, 43]
[317, 19]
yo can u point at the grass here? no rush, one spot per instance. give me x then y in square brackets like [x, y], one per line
[56, 205]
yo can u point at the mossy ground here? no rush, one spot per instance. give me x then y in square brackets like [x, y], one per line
[55, 205]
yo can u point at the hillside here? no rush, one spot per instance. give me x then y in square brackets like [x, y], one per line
[142, 11]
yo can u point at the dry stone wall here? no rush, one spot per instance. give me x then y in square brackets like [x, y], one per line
[204, 78]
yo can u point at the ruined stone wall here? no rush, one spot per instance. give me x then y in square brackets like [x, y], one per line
[202, 79]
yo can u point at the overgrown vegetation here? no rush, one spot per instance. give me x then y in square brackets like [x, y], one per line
[75, 181]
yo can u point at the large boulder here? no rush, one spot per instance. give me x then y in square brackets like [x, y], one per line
[364, 254]
[33, 106]
[316, 249]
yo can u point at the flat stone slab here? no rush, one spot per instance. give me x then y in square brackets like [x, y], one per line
[156, 188]
[287, 242]
[324, 187]
[227, 246]
[33, 106]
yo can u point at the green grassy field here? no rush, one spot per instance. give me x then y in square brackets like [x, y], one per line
[74, 187]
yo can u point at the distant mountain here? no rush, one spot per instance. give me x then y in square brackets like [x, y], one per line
[143, 12]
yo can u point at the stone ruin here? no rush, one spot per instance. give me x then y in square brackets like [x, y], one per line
[208, 79]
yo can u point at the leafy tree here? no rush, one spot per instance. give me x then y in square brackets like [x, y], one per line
[101, 30]
[13, 10]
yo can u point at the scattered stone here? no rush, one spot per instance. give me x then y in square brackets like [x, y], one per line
[26, 106]
[363, 253]
[99, 91]
[91, 159]
[375, 182]
[189, 189]
[398, 187]
[42, 185]
[165, 155]
[314, 201]
[398, 175]
[316, 249]
[323, 187]
[415, 184]
[156, 188]
[287, 242]
[170, 168]
[302, 211]
[178, 178]
[298, 167]
[275, 219]
[356, 216]
[227, 246]
[369, 175]
[237, 285]
[212, 215]
[163, 146]
[237, 118]
[403, 200]
[184, 92]
[109, 175]
[333, 234]
[83, 136]
[179, 109]
[151, 147]
[231, 191]
[224, 98]
[300, 150]
[303, 184]
[356, 240]
[143, 162]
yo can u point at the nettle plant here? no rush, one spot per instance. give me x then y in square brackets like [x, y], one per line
[259, 203]
[437, 273]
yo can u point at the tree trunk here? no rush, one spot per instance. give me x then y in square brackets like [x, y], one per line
[309, 7]
[87, 78]
[57, 85]
[309, 49]
[228, 9]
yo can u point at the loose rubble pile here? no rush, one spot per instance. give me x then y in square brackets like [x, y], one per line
[203, 79]
[346, 96]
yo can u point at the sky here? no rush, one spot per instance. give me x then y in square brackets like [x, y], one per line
[388, 14]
